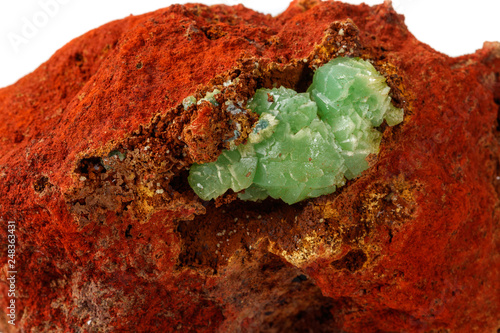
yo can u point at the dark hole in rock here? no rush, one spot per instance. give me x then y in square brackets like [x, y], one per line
[352, 261]
[127, 232]
[90, 165]
[298, 77]
[305, 80]
[40, 184]
[300, 278]
[179, 182]
[78, 57]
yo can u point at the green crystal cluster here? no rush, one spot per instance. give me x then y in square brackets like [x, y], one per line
[305, 144]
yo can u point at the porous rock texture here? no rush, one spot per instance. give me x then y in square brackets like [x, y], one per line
[95, 146]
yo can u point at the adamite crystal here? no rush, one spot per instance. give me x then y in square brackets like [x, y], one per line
[305, 144]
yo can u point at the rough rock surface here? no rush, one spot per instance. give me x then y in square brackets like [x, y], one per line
[94, 147]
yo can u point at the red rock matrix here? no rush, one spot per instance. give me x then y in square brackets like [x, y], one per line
[94, 151]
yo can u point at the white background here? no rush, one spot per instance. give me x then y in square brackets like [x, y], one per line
[452, 27]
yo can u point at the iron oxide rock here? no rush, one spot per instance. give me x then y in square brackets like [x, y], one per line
[109, 237]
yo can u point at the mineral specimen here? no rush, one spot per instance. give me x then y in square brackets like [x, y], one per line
[301, 147]
[95, 147]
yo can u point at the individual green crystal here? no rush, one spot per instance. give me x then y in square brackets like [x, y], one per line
[305, 144]
[188, 101]
[210, 97]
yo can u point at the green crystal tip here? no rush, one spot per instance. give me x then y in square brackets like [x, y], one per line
[305, 144]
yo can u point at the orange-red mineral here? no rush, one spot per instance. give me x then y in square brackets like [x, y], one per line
[100, 231]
